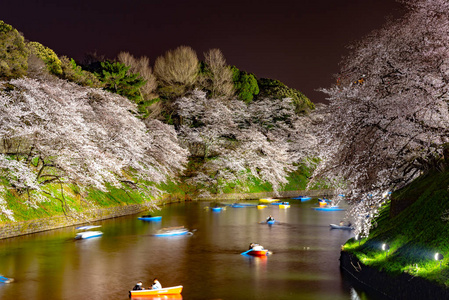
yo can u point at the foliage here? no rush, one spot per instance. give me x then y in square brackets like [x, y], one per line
[388, 116]
[277, 90]
[215, 75]
[116, 79]
[13, 52]
[415, 234]
[245, 84]
[177, 69]
[49, 57]
[142, 67]
[72, 72]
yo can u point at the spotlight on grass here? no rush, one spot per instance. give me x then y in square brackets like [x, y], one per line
[385, 248]
[439, 257]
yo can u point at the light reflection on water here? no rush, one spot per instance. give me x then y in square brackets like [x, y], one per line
[304, 263]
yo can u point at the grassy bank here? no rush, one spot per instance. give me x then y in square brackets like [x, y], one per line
[413, 224]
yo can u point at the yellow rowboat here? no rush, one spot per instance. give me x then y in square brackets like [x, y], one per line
[174, 290]
[268, 200]
[261, 206]
[284, 205]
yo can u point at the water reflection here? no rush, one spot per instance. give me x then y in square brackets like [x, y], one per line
[304, 263]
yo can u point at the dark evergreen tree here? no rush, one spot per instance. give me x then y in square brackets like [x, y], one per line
[117, 79]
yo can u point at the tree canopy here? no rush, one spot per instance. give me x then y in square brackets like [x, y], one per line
[388, 117]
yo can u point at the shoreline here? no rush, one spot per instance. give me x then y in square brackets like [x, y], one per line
[403, 286]
[15, 229]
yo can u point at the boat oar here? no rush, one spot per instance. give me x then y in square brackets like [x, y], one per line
[246, 252]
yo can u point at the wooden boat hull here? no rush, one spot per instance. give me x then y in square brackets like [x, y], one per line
[155, 218]
[174, 290]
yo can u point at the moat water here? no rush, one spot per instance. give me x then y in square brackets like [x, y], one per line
[304, 263]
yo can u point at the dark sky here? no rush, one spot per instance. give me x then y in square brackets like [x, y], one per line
[298, 42]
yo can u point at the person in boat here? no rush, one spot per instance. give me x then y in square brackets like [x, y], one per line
[349, 224]
[342, 223]
[138, 286]
[270, 218]
[156, 284]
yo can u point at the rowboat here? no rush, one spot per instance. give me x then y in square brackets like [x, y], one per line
[219, 208]
[172, 231]
[268, 200]
[284, 205]
[174, 290]
[261, 206]
[88, 235]
[324, 200]
[280, 203]
[271, 222]
[328, 208]
[4, 279]
[345, 227]
[87, 227]
[302, 198]
[256, 250]
[242, 205]
[150, 218]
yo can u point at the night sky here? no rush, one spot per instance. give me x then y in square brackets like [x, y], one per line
[298, 42]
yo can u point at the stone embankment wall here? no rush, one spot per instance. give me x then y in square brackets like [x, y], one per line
[403, 286]
[32, 226]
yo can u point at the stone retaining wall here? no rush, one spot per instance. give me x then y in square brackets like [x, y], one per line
[403, 286]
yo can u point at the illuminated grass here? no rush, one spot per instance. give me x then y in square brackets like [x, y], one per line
[414, 235]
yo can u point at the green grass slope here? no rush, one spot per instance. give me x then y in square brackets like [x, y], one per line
[414, 234]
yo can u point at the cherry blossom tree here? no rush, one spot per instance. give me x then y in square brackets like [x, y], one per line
[55, 132]
[387, 119]
[236, 141]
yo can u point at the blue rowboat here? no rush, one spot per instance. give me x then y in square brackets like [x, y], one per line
[330, 208]
[242, 205]
[87, 227]
[172, 232]
[149, 218]
[217, 208]
[280, 203]
[324, 200]
[271, 222]
[88, 235]
[302, 198]
[4, 279]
